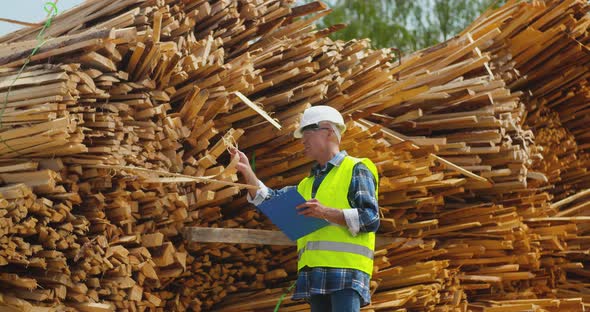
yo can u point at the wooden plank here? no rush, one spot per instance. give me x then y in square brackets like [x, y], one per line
[257, 109]
[17, 56]
[251, 236]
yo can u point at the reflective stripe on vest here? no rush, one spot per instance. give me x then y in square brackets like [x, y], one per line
[338, 246]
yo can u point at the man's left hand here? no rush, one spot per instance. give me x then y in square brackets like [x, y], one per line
[312, 208]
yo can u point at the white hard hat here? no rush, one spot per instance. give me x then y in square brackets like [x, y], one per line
[317, 114]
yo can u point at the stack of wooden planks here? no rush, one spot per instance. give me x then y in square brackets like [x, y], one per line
[40, 114]
[563, 162]
[529, 305]
[113, 141]
[564, 238]
[405, 278]
[447, 98]
[530, 55]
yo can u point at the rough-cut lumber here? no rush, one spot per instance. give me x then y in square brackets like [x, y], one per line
[249, 236]
[480, 143]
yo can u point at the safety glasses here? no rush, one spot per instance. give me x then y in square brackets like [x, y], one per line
[313, 128]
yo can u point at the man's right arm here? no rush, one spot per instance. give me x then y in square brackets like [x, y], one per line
[255, 196]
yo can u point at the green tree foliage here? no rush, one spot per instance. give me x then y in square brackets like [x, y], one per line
[408, 25]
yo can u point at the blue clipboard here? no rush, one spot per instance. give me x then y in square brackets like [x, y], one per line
[281, 211]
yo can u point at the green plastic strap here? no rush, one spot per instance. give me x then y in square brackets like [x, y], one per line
[283, 296]
[253, 161]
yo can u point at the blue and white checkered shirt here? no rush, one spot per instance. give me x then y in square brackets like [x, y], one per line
[362, 217]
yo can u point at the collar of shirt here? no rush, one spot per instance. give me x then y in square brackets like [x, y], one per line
[334, 162]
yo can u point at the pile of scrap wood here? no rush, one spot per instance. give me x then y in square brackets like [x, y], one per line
[114, 139]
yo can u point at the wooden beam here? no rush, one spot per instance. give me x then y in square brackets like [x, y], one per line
[570, 199]
[196, 234]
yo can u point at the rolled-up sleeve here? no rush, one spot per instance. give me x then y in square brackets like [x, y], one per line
[264, 192]
[261, 194]
[362, 197]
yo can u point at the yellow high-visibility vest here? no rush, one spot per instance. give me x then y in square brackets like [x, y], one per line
[333, 246]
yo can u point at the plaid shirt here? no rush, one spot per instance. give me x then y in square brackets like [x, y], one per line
[362, 197]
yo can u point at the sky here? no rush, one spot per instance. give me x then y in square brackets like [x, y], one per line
[31, 11]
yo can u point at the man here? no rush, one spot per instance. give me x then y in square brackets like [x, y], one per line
[336, 262]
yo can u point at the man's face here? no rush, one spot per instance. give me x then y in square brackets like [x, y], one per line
[316, 138]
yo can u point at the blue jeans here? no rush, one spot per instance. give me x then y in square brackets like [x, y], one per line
[346, 300]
